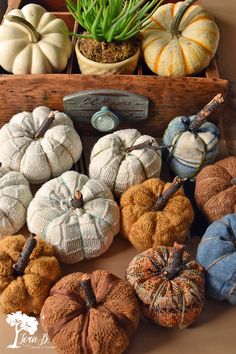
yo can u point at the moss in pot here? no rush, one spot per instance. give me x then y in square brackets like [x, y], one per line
[110, 42]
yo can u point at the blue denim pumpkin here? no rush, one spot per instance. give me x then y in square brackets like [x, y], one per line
[189, 151]
[217, 254]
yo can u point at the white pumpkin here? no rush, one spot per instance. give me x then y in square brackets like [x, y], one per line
[180, 40]
[77, 228]
[15, 196]
[39, 156]
[114, 162]
[33, 41]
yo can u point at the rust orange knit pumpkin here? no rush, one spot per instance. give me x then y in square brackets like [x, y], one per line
[28, 291]
[170, 285]
[91, 313]
[146, 227]
[215, 190]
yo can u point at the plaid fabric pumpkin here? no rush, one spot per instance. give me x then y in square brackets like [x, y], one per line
[171, 291]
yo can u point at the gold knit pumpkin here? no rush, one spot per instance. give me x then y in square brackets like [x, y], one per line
[28, 291]
[181, 39]
[144, 226]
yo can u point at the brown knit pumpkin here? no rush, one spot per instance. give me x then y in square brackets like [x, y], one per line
[90, 313]
[25, 289]
[170, 285]
[215, 190]
[149, 220]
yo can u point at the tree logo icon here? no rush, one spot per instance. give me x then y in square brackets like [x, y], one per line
[21, 322]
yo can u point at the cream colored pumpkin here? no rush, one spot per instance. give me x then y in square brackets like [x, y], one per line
[39, 159]
[33, 41]
[77, 231]
[15, 196]
[180, 48]
[112, 163]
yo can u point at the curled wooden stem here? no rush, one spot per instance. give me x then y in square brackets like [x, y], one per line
[175, 261]
[45, 125]
[161, 202]
[205, 113]
[89, 294]
[77, 201]
[147, 144]
[233, 181]
[23, 260]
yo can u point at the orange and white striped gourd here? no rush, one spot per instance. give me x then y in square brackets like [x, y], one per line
[181, 39]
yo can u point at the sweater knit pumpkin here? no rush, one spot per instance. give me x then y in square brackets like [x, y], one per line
[15, 196]
[78, 231]
[143, 226]
[43, 157]
[113, 163]
[217, 253]
[215, 190]
[102, 325]
[171, 295]
[28, 292]
[190, 151]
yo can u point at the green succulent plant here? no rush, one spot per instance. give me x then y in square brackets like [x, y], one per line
[112, 20]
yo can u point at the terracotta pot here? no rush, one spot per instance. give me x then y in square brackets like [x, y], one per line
[88, 66]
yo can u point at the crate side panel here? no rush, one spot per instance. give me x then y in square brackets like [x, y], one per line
[168, 97]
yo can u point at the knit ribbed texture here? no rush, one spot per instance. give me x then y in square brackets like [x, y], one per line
[119, 169]
[169, 303]
[28, 292]
[217, 253]
[190, 151]
[105, 334]
[75, 233]
[15, 196]
[43, 158]
[145, 227]
[215, 194]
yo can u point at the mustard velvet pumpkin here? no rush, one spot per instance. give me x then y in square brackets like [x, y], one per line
[26, 292]
[144, 226]
[34, 41]
[181, 39]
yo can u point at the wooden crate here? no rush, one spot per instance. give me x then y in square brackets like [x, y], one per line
[168, 97]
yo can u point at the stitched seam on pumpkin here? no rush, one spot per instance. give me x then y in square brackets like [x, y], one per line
[9, 219]
[69, 153]
[17, 200]
[219, 259]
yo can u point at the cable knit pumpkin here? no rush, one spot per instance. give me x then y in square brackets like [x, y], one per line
[75, 214]
[116, 161]
[180, 40]
[193, 142]
[15, 196]
[215, 190]
[170, 285]
[26, 292]
[146, 227]
[90, 313]
[217, 253]
[40, 145]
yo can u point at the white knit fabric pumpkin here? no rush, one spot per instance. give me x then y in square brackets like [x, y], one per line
[75, 232]
[119, 169]
[38, 159]
[15, 196]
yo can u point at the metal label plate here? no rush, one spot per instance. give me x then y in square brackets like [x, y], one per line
[80, 106]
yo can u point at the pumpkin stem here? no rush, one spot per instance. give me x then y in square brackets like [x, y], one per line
[89, 294]
[34, 36]
[178, 17]
[147, 144]
[77, 201]
[233, 181]
[175, 260]
[23, 260]
[205, 113]
[161, 202]
[45, 125]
